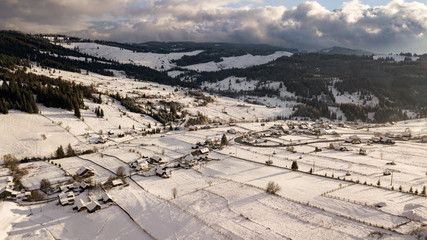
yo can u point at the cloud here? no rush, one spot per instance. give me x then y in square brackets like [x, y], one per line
[397, 26]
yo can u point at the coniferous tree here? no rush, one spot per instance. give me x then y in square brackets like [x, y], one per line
[294, 165]
[77, 112]
[70, 151]
[224, 140]
[60, 152]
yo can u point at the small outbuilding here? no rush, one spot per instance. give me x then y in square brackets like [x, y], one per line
[85, 172]
[93, 206]
[155, 159]
[117, 182]
[106, 198]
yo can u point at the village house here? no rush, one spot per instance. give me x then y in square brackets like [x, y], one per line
[106, 198]
[140, 164]
[80, 205]
[161, 172]
[386, 140]
[337, 147]
[188, 161]
[66, 198]
[354, 139]
[204, 150]
[117, 182]
[232, 131]
[85, 172]
[93, 206]
[155, 159]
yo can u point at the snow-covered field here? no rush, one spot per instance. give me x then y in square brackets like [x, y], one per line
[164, 61]
[396, 58]
[224, 196]
[153, 60]
[244, 61]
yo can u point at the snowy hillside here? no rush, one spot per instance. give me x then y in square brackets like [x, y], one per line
[222, 168]
[244, 61]
[396, 58]
[152, 60]
[164, 61]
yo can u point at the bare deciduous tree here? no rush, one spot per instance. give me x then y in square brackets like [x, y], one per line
[174, 192]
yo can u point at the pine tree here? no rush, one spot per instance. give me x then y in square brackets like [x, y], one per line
[423, 192]
[70, 151]
[77, 112]
[60, 152]
[101, 113]
[294, 165]
[4, 106]
[224, 140]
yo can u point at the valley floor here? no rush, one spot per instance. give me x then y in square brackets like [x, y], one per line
[332, 195]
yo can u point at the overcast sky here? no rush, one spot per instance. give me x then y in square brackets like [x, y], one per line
[374, 25]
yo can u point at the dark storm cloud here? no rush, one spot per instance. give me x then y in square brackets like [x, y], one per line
[398, 26]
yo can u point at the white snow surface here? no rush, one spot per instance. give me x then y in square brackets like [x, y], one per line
[153, 60]
[244, 61]
[224, 196]
[396, 58]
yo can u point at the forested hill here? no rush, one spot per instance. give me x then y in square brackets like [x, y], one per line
[16, 45]
[398, 85]
[315, 80]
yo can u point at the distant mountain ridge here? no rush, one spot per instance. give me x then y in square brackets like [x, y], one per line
[345, 51]
[319, 83]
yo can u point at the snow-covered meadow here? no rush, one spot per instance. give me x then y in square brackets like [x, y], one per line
[333, 194]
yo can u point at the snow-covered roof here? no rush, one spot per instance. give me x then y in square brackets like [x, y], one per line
[79, 204]
[204, 150]
[117, 182]
[105, 197]
[93, 206]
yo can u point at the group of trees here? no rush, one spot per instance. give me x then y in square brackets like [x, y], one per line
[99, 112]
[306, 75]
[60, 153]
[19, 88]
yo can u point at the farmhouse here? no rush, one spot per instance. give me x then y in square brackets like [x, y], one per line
[386, 140]
[337, 147]
[424, 139]
[155, 159]
[140, 164]
[117, 182]
[93, 206]
[232, 131]
[204, 150]
[66, 198]
[188, 161]
[85, 172]
[161, 171]
[354, 139]
[80, 205]
[106, 198]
